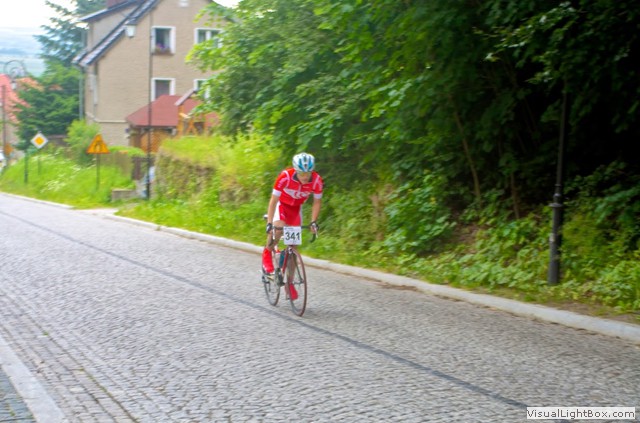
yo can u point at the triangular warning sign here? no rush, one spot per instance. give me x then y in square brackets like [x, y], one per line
[97, 146]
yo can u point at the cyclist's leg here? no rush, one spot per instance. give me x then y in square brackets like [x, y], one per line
[284, 216]
[272, 240]
[296, 283]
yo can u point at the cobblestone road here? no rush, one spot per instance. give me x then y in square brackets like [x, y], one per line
[122, 323]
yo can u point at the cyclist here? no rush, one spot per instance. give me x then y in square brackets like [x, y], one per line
[292, 188]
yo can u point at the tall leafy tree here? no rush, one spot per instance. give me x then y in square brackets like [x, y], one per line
[587, 49]
[51, 103]
[281, 76]
[459, 102]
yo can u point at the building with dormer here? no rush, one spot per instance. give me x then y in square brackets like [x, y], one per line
[136, 52]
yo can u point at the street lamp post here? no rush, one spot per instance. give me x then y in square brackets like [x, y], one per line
[5, 153]
[130, 30]
[555, 239]
[150, 111]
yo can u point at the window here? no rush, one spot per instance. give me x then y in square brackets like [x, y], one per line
[199, 85]
[211, 35]
[163, 40]
[162, 86]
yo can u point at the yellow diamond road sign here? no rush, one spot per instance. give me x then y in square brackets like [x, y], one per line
[39, 140]
[98, 146]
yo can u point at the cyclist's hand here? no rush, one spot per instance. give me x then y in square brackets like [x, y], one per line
[314, 227]
[269, 227]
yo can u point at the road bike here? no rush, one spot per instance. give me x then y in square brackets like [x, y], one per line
[288, 270]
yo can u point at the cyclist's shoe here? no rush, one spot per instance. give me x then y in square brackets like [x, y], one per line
[293, 294]
[267, 262]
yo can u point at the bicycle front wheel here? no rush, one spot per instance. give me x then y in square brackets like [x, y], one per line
[296, 283]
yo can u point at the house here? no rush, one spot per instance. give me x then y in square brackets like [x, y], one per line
[135, 53]
[169, 115]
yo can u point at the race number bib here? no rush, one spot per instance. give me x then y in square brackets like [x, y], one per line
[292, 235]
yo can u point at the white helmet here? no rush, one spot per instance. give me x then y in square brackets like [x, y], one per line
[303, 162]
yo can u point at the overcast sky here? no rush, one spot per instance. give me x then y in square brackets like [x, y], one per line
[35, 13]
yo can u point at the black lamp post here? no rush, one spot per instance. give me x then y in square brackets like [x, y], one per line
[130, 30]
[555, 240]
[150, 111]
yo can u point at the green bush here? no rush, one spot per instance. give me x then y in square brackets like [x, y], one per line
[80, 135]
[418, 221]
[245, 164]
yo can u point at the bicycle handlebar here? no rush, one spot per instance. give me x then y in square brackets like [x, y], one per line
[280, 228]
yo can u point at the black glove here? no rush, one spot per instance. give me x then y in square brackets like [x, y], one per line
[269, 227]
[315, 226]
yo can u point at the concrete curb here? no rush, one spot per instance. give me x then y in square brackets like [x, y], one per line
[35, 200]
[41, 405]
[626, 331]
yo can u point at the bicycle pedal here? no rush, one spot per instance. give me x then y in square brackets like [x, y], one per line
[267, 278]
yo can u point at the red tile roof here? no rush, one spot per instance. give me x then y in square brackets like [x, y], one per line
[164, 112]
[12, 98]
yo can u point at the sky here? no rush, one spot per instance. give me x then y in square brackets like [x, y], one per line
[27, 13]
[35, 13]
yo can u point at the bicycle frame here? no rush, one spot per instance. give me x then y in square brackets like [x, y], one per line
[289, 272]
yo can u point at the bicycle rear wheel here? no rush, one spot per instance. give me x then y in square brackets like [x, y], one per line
[271, 285]
[296, 283]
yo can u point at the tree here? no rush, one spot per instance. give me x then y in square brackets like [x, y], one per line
[63, 39]
[451, 103]
[51, 104]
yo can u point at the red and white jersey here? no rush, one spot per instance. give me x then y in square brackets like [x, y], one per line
[292, 192]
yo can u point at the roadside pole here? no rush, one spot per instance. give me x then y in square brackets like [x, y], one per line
[98, 147]
[39, 141]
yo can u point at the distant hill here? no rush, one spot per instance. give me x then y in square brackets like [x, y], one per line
[20, 44]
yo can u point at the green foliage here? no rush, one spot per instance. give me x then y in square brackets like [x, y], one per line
[355, 220]
[615, 190]
[246, 164]
[501, 256]
[52, 177]
[224, 201]
[228, 170]
[601, 238]
[129, 151]
[241, 223]
[50, 105]
[201, 151]
[427, 233]
[63, 37]
[585, 49]
[79, 138]
[473, 94]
